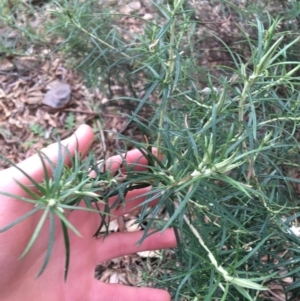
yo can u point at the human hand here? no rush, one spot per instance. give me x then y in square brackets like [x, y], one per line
[17, 277]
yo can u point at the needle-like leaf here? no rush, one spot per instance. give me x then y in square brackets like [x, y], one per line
[35, 184]
[50, 242]
[22, 218]
[67, 249]
[36, 232]
[67, 223]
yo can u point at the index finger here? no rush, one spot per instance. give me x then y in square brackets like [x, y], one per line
[134, 158]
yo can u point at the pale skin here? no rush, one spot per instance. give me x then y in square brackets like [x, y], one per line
[17, 277]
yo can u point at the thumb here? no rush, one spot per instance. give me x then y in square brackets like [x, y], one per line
[80, 141]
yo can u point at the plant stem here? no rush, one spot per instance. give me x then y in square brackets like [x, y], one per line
[177, 4]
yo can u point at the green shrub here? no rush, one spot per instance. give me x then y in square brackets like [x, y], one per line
[229, 138]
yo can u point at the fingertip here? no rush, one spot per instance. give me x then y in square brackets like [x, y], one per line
[84, 131]
[117, 292]
[81, 140]
[123, 243]
[158, 155]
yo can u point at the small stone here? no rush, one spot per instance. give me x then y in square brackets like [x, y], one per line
[148, 17]
[58, 96]
[135, 5]
[131, 7]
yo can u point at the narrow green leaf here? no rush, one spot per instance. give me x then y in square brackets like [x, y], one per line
[253, 251]
[164, 29]
[58, 170]
[266, 59]
[22, 218]
[36, 232]
[282, 50]
[144, 99]
[66, 222]
[260, 29]
[243, 292]
[182, 206]
[50, 243]
[213, 286]
[37, 185]
[166, 92]
[17, 197]
[294, 285]
[162, 9]
[67, 248]
[30, 191]
[45, 174]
